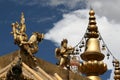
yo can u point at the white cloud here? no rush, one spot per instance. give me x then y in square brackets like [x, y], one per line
[108, 8]
[45, 19]
[67, 3]
[70, 4]
[73, 26]
[68, 28]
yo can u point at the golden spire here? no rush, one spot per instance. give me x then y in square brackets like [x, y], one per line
[92, 28]
[92, 50]
[93, 65]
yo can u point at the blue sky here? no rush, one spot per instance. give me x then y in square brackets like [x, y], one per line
[40, 16]
[59, 17]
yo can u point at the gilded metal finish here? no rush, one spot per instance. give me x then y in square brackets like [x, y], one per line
[94, 77]
[92, 51]
[63, 53]
[21, 38]
[93, 65]
[117, 70]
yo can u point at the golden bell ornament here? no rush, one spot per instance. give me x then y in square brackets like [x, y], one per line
[92, 50]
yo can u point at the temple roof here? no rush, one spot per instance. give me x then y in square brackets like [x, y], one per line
[23, 63]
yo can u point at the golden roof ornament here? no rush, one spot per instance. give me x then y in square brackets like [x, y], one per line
[92, 50]
[117, 69]
[63, 54]
[21, 39]
[93, 65]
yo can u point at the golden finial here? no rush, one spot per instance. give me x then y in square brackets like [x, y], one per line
[22, 18]
[92, 50]
[92, 28]
[91, 13]
[92, 54]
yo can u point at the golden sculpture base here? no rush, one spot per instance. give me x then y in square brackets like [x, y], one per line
[94, 77]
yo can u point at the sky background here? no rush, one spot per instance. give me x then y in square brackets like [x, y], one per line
[59, 19]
